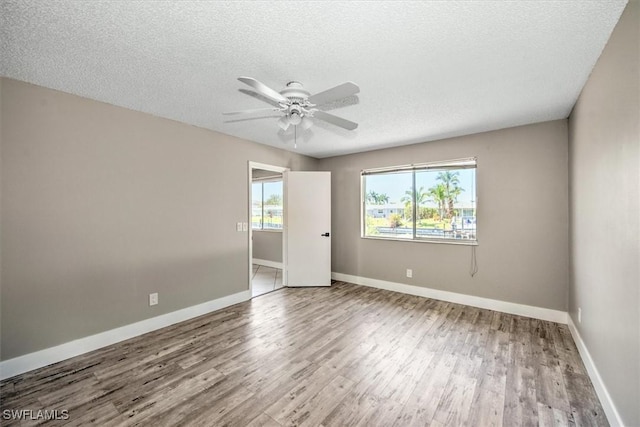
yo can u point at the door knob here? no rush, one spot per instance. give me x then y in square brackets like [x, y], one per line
[325, 235]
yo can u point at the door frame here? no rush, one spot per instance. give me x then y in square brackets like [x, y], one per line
[278, 169]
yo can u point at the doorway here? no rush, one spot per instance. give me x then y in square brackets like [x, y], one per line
[266, 231]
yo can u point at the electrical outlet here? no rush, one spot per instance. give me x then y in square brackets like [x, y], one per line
[579, 315]
[409, 272]
[153, 298]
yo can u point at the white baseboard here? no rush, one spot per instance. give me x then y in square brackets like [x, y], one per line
[39, 359]
[490, 304]
[601, 390]
[267, 263]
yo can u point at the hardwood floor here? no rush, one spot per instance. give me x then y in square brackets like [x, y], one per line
[345, 355]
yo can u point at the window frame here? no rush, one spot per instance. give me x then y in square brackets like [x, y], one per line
[454, 164]
[263, 181]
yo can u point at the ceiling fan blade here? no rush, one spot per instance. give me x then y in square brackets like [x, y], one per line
[254, 111]
[338, 92]
[335, 120]
[263, 89]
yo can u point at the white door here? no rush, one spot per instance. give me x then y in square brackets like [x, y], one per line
[307, 228]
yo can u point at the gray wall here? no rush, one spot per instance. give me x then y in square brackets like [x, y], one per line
[522, 188]
[604, 135]
[103, 205]
[267, 245]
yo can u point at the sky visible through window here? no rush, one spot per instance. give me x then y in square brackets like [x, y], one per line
[271, 188]
[395, 185]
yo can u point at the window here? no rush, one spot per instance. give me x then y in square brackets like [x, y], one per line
[426, 202]
[266, 205]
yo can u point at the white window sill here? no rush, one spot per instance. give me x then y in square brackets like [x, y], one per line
[462, 242]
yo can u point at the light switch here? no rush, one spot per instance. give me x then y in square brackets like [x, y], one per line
[245, 226]
[239, 226]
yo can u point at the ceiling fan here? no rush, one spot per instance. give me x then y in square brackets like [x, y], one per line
[297, 106]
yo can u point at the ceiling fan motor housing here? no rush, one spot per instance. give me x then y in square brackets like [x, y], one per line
[295, 92]
[298, 105]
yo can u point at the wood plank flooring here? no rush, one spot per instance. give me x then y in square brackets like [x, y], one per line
[345, 355]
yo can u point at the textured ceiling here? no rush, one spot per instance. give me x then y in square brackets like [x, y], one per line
[426, 70]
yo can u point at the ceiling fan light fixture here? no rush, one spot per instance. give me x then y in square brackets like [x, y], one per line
[306, 123]
[283, 122]
[295, 118]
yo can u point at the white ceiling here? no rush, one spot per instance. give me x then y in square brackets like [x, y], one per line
[427, 70]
